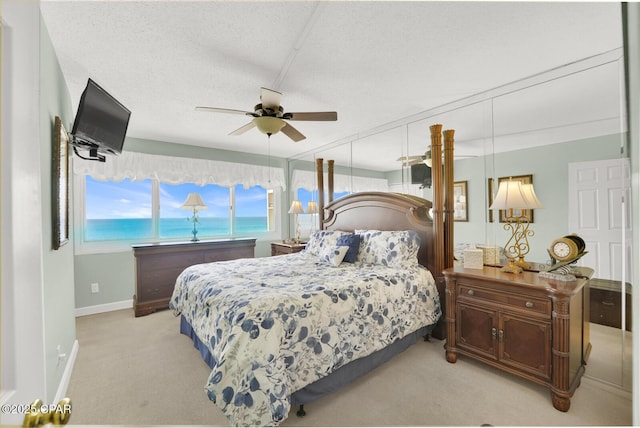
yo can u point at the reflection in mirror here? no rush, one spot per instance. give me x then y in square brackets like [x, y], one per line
[498, 134]
[374, 157]
[552, 143]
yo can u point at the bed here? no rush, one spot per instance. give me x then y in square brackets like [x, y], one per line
[285, 330]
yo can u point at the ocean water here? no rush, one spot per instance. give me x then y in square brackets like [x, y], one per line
[170, 228]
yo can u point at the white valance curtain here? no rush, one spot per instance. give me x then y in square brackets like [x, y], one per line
[176, 170]
[341, 182]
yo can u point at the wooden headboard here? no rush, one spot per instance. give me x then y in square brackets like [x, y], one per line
[384, 211]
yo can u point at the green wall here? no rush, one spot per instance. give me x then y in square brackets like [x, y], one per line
[57, 266]
[549, 167]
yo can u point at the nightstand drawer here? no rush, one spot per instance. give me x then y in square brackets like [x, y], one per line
[515, 301]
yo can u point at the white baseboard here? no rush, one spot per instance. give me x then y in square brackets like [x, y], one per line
[106, 307]
[66, 375]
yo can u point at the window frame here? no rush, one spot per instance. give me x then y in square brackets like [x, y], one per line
[82, 246]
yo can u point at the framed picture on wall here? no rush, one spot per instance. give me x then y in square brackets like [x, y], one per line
[524, 179]
[60, 185]
[460, 209]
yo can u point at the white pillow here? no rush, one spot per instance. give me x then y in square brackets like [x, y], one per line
[394, 248]
[333, 256]
[323, 239]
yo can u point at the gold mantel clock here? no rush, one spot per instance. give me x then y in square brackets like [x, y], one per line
[566, 248]
[563, 252]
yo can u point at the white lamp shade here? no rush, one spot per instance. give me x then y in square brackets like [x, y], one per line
[530, 196]
[312, 208]
[193, 202]
[510, 195]
[269, 125]
[296, 208]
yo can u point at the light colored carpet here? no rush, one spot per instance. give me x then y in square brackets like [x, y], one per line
[607, 361]
[141, 371]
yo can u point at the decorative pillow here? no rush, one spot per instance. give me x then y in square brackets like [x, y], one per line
[323, 239]
[395, 248]
[333, 256]
[353, 242]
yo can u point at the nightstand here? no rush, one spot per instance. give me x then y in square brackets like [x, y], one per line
[279, 248]
[531, 327]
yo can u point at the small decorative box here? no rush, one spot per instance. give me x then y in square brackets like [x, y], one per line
[491, 254]
[473, 258]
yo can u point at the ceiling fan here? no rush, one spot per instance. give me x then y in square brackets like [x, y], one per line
[269, 116]
[425, 158]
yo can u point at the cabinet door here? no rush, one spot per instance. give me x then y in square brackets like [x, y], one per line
[476, 330]
[525, 344]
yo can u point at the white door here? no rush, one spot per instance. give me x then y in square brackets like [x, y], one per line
[600, 213]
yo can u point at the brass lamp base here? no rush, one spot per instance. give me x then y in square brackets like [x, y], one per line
[523, 264]
[512, 267]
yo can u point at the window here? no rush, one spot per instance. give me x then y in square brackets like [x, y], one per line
[119, 210]
[149, 210]
[252, 210]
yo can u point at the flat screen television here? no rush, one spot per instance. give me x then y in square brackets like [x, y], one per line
[421, 174]
[101, 121]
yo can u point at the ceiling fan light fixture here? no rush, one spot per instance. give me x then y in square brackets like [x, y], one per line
[269, 125]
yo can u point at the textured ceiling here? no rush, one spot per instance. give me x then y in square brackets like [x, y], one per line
[375, 63]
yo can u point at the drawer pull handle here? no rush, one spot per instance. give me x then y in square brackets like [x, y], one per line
[529, 304]
[608, 304]
[471, 292]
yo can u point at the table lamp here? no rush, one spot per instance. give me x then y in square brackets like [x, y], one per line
[296, 208]
[513, 195]
[194, 202]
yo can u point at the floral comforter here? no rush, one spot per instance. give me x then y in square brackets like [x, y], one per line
[274, 325]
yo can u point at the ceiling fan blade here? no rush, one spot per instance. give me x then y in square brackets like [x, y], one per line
[270, 98]
[415, 162]
[318, 115]
[224, 110]
[404, 158]
[411, 162]
[243, 128]
[292, 133]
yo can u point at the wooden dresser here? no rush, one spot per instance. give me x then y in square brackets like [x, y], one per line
[279, 248]
[158, 266]
[531, 327]
[606, 303]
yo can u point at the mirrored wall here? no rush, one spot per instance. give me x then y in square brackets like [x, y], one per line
[543, 127]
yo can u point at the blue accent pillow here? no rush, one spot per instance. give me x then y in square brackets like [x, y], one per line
[353, 242]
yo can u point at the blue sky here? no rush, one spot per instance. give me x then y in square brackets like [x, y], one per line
[128, 199]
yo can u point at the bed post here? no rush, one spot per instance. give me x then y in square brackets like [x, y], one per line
[438, 220]
[320, 175]
[448, 198]
[438, 214]
[330, 180]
